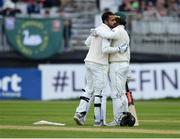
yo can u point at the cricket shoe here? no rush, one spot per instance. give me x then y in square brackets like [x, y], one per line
[98, 124]
[79, 118]
[113, 123]
[101, 123]
[116, 121]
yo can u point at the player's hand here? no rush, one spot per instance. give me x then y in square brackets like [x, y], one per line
[123, 47]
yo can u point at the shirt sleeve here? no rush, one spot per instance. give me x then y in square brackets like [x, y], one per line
[106, 47]
[109, 34]
[88, 41]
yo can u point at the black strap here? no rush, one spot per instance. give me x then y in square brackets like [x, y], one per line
[84, 98]
[98, 96]
[97, 105]
[83, 113]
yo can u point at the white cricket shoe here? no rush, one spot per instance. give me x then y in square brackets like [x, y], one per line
[97, 124]
[101, 123]
[113, 123]
[116, 121]
[79, 119]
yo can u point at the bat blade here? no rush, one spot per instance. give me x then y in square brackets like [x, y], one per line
[132, 110]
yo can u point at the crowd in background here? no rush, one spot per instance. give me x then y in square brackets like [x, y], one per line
[151, 8]
[146, 9]
[143, 8]
[27, 7]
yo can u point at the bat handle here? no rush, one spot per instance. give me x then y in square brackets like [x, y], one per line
[130, 98]
[127, 88]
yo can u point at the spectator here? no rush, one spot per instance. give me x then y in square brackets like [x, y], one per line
[33, 8]
[1, 3]
[52, 7]
[161, 7]
[142, 7]
[67, 32]
[174, 10]
[152, 1]
[125, 6]
[22, 5]
[9, 9]
[151, 12]
[135, 6]
[52, 3]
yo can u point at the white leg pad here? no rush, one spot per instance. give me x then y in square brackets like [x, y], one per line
[97, 109]
[103, 109]
[88, 107]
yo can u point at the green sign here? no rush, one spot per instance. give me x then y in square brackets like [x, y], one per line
[35, 38]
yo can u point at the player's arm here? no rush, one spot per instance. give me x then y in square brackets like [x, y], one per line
[109, 34]
[107, 49]
[88, 41]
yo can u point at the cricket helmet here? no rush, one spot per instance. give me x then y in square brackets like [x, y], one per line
[120, 15]
[121, 18]
[127, 119]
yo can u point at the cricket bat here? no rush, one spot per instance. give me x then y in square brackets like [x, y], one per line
[131, 104]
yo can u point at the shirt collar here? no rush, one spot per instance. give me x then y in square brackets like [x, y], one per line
[105, 25]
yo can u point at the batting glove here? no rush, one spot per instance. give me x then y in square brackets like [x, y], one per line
[123, 47]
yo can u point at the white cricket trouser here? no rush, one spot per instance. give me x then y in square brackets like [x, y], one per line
[96, 80]
[118, 72]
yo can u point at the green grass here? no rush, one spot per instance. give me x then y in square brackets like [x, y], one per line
[157, 118]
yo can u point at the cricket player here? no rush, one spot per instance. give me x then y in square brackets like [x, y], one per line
[118, 65]
[96, 63]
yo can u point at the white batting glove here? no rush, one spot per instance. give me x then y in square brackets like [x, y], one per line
[123, 47]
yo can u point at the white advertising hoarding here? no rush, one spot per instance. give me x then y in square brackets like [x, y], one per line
[149, 81]
[62, 81]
